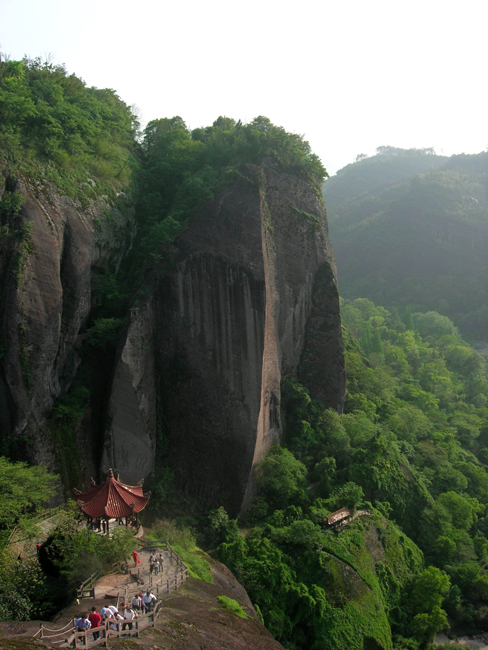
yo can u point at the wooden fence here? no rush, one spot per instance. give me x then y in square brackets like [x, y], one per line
[68, 636]
[161, 583]
[87, 588]
[45, 514]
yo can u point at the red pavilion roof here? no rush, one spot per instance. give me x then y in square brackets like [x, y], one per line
[112, 499]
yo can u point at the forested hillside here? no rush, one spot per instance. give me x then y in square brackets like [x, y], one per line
[410, 450]
[410, 228]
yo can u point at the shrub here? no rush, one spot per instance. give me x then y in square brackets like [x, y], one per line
[232, 605]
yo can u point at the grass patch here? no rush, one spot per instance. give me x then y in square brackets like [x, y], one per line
[198, 565]
[184, 543]
[232, 605]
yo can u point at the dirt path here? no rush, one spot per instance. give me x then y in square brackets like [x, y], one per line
[110, 589]
[114, 588]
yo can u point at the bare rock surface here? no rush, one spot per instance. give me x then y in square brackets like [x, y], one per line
[251, 301]
[131, 436]
[44, 304]
[253, 292]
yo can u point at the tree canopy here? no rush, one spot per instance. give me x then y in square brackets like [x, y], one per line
[24, 489]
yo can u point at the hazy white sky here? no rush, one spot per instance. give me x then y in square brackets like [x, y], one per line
[350, 75]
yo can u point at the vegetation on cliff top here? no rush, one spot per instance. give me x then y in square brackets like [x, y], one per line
[182, 169]
[55, 128]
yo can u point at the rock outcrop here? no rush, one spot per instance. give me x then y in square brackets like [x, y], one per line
[251, 300]
[45, 300]
[130, 441]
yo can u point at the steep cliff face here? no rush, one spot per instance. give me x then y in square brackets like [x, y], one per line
[48, 252]
[130, 440]
[233, 320]
[251, 300]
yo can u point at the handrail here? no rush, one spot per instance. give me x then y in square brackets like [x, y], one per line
[41, 516]
[88, 585]
[89, 579]
[61, 629]
[14, 530]
[72, 637]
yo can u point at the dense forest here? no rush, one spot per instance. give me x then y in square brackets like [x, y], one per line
[409, 227]
[410, 450]
[409, 455]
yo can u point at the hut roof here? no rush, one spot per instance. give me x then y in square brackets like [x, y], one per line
[337, 516]
[112, 499]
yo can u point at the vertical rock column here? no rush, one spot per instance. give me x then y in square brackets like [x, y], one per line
[131, 435]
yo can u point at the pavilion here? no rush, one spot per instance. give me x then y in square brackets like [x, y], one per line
[112, 500]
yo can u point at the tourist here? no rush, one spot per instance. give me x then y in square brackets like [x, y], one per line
[161, 562]
[114, 621]
[113, 609]
[135, 557]
[148, 601]
[137, 602]
[95, 620]
[129, 616]
[152, 561]
[105, 612]
[82, 623]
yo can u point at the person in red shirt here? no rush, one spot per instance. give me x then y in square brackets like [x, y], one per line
[95, 620]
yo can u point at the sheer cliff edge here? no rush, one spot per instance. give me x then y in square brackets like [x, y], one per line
[252, 300]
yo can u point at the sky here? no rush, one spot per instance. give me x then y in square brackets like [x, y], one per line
[348, 75]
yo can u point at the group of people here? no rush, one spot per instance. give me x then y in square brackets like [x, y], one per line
[144, 602]
[102, 525]
[156, 563]
[110, 615]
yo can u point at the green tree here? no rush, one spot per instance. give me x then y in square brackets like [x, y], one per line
[24, 490]
[281, 477]
[426, 625]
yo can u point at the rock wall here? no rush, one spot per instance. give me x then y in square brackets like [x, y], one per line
[232, 323]
[130, 440]
[45, 303]
[252, 300]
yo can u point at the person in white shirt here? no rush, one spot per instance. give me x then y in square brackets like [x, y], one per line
[115, 622]
[129, 616]
[148, 600]
[137, 603]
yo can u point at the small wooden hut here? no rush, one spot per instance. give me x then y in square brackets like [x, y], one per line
[338, 516]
